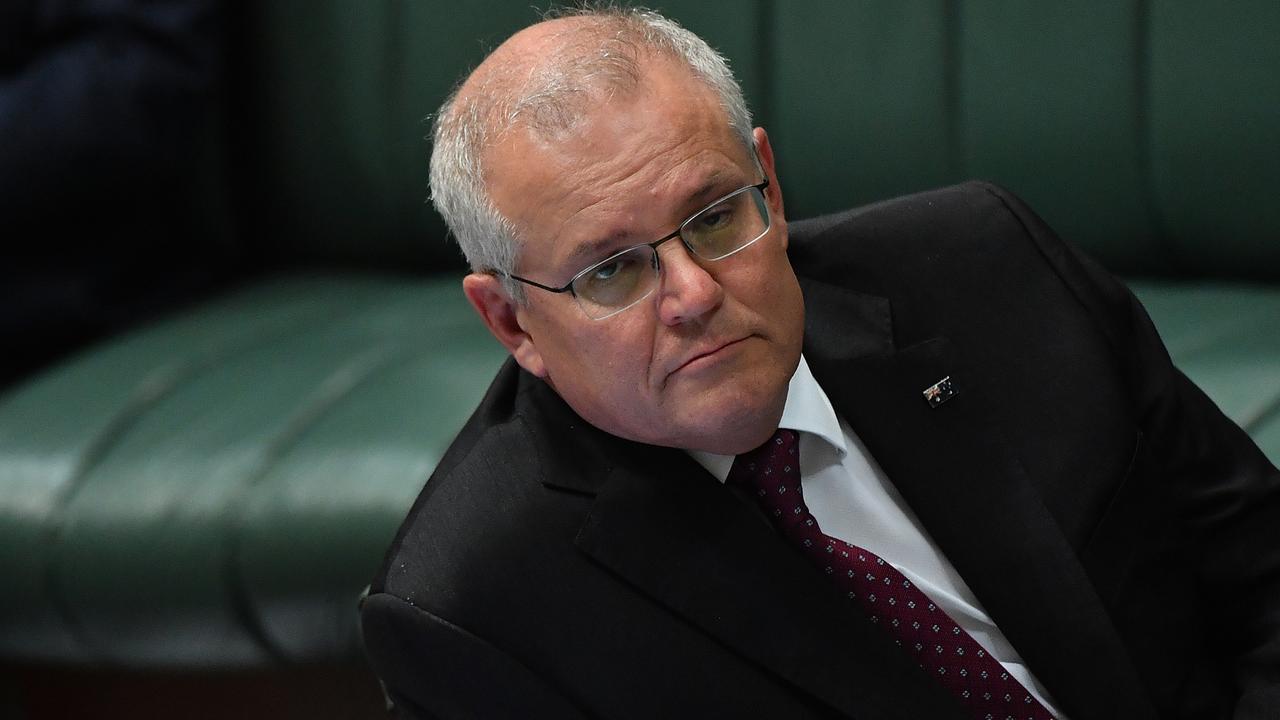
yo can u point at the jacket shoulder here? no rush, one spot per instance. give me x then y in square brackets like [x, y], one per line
[477, 458]
[906, 227]
[517, 480]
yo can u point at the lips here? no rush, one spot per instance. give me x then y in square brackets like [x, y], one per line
[706, 352]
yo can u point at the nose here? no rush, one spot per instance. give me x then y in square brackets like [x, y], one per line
[686, 290]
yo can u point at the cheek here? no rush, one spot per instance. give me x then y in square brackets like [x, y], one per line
[605, 367]
[768, 288]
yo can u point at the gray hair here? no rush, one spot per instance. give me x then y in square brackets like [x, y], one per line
[604, 55]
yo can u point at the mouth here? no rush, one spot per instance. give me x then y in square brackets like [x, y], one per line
[708, 357]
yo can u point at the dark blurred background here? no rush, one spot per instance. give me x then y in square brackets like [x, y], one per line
[110, 113]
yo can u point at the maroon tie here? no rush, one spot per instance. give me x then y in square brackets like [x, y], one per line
[940, 646]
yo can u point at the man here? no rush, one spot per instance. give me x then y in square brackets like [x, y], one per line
[941, 390]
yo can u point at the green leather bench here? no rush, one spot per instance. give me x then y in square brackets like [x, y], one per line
[215, 490]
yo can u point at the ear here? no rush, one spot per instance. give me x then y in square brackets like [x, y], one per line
[774, 192]
[501, 315]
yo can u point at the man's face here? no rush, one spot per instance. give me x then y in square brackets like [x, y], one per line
[702, 363]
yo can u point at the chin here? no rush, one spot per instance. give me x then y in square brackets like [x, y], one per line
[732, 428]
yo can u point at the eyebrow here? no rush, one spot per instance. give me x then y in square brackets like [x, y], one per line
[595, 249]
[711, 188]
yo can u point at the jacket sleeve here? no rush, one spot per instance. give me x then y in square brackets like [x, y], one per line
[435, 670]
[1226, 492]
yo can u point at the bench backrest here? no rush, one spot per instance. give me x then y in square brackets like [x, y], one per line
[1149, 133]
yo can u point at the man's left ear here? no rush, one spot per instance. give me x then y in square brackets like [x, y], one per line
[764, 151]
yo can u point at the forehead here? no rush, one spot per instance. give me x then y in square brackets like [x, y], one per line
[635, 163]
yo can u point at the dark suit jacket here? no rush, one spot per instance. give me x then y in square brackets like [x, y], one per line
[1123, 534]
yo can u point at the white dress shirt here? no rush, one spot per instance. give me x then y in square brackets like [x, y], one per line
[852, 500]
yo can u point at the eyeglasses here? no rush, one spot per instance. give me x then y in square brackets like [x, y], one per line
[715, 232]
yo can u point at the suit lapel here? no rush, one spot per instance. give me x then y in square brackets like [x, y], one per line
[667, 527]
[954, 470]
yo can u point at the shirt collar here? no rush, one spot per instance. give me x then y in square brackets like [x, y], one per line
[807, 410]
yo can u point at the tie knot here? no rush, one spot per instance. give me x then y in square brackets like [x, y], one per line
[775, 461]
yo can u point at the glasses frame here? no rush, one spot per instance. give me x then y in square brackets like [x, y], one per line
[568, 287]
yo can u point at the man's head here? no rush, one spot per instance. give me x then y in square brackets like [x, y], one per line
[583, 136]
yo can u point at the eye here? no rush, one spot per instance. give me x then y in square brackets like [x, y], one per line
[617, 269]
[607, 270]
[715, 218]
[617, 281]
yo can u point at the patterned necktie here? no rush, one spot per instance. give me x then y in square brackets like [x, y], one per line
[940, 646]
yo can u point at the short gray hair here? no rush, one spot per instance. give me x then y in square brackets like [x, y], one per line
[605, 54]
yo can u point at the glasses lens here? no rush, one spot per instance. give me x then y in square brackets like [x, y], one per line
[616, 283]
[728, 225]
